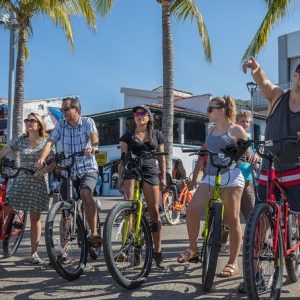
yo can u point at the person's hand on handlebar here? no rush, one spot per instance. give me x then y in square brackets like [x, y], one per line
[40, 163]
[254, 159]
[90, 151]
[192, 184]
[162, 184]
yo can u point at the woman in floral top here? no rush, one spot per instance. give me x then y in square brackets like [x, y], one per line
[30, 192]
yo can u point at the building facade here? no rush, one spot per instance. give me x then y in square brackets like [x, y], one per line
[189, 131]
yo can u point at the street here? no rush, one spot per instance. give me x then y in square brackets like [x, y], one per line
[18, 280]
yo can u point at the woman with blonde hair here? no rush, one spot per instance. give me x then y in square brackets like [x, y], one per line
[221, 111]
[30, 192]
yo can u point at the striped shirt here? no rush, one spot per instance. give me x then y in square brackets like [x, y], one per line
[75, 139]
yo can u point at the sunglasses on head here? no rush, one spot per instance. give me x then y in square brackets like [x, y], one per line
[67, 108]
[30, 121]
[140, 114]
[211, 108]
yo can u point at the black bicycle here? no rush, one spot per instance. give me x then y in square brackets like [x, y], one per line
[65, 229]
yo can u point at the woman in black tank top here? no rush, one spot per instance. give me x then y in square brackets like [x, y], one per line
[141, 142]
[221, 111]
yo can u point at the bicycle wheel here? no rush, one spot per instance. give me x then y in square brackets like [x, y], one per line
[172, 216]
[262, 267]
[128, 257]
[16, 224]
[66, 241]
[212, 246]
[292, 263]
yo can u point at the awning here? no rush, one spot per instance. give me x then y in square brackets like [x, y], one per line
[55, 111]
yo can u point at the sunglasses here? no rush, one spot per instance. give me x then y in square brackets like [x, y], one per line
[30, 121]
[67, 108]
[140, 114]
[211, 108]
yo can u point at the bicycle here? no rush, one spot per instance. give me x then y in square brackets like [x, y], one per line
[271, 234]
[65, 231]
[173, 203]
[13, 223]
[214, 214]
[127, 239]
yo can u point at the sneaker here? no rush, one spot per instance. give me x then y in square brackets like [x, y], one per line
[241, 288]
[260, 282]
[224, 248]
[35, 260]
[159, 260]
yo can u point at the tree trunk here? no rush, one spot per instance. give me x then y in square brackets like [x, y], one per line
[168, 82]
[19, 85]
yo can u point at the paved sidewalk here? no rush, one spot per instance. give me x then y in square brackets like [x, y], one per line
[19, 280]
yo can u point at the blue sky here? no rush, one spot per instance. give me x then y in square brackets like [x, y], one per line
[126, 52]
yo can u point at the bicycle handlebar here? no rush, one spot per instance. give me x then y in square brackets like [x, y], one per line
[128, 158]
[60, 157]
[205, 152]
[10, 164]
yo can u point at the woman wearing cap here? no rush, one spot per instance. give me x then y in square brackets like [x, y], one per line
[141, 142]
[221, 111]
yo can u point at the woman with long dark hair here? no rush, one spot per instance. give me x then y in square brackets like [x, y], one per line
[141, 142]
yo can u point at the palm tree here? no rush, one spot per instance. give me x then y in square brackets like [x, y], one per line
[59, 11]
[277, 9]
[181, 10]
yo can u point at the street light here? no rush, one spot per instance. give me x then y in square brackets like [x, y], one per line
[10, 21]
[252, 87]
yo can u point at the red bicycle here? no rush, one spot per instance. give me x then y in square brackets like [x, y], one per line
[175, 199]
[12, 221]
[271, 233]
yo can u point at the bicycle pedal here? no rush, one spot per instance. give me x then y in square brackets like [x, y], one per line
[18, 225]
[194, 260]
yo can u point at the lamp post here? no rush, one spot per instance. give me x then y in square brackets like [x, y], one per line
[252, 87]
[10, 21]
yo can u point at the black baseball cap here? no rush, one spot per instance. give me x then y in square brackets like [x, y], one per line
[144, 107]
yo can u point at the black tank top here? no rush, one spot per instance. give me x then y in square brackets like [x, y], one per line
[282, 122]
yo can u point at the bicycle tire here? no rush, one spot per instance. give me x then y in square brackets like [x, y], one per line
[14, 232]
[292, 263]
[68, 254]
[112, 249]
[172, 217]
[258, 251]
[212, 246]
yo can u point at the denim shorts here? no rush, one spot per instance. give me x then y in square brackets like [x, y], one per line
[231, 178]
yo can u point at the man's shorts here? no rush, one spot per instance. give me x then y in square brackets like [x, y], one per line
[231, 178]
[87, 181]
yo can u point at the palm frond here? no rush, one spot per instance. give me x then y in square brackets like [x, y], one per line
[82, 7]
[60, 16]
[183, 9]
[103, 6]
[276, 10]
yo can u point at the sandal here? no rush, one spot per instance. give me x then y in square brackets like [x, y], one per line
[95, 241]
[188, 256]
[229, 271]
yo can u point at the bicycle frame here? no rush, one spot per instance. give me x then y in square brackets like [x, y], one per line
[136, 202]
[216, 198]
[273, 182]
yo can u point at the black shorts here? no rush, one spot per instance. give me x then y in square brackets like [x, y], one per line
[149, 176]
[292, 193]
[87, 181]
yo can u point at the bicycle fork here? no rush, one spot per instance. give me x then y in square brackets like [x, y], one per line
[137, 208]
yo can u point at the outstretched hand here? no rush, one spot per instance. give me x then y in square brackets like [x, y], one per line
[251, 63]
